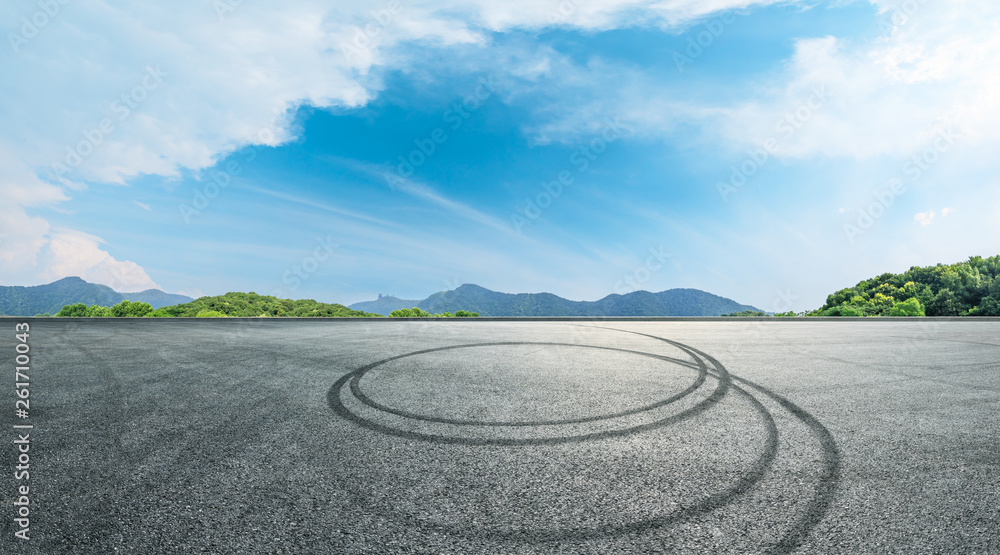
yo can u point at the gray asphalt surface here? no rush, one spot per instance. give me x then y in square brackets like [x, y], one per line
[263, 436]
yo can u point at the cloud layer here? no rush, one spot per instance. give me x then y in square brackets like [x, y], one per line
[111, 91]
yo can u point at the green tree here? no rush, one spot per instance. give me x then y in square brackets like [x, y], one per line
[990, 306]
[166, 312]
[131, 309]
[943, 290]
[73, 311]
[945, 303]
[210, 314]
[96, 311]
[909, 307]
[880, 304]
[409, 313]
[253, 305]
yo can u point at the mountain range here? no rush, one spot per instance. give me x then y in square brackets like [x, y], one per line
[50, 298]
[672, 302]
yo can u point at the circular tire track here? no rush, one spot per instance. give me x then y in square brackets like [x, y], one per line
[813, 513]
[830, 474]
[365, 399]
[351, 379]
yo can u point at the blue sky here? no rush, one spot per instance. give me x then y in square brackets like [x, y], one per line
[771, 152]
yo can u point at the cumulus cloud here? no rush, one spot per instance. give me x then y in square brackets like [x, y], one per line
[925, 73]
[927, 218]
[72, 253]
[118, 90]
[114, 90]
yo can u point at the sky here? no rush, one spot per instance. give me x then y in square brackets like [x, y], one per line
[769, 152]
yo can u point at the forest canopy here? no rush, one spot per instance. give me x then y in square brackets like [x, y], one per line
[969, 288]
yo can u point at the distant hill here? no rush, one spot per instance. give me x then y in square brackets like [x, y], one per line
[673, 302]
[50, 298]
[252, 305]
[156, 298]
[384, 305]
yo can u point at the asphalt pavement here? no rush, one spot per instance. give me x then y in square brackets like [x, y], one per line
[366, 436]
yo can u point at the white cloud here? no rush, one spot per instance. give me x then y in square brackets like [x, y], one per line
[113, 90]
[185, 85]
[930, 71]
[926, 218]
[71, 253]
[198, 86]
[891, 96]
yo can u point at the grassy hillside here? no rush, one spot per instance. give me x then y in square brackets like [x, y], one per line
[969, 288]
[252, 304]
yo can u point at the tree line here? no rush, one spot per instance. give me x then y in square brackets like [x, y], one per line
[245, 305]
[418, 313]
[970, 288]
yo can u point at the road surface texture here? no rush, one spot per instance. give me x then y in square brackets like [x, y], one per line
[360, 436]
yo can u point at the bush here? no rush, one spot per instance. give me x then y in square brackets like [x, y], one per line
[210, 314]
[842, 310]
[409, 313]
[95, 311]
[73, 311]
[131, 309]
[909, 307]
[989, 307]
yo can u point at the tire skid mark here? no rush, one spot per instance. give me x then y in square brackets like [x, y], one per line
[523, 535]
[815, 509]
[361, 396]
[335, 402]
[826, 486]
